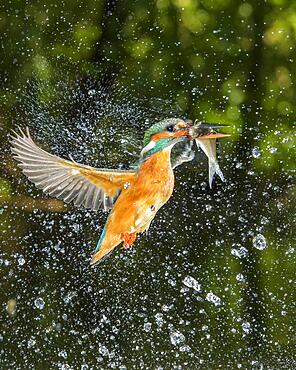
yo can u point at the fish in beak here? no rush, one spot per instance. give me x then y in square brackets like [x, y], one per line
[205, 137]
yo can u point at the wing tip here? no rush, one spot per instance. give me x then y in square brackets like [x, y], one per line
[19, 133]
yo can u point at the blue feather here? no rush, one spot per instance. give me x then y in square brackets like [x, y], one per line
[101, 239]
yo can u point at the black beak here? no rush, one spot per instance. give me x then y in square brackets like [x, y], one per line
[205, 125]
[204, 130]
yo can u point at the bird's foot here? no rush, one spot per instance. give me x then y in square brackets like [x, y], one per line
[128, 239]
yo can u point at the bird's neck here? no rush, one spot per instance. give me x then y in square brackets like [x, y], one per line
[154, 147]
[158, 161]
[163, 145]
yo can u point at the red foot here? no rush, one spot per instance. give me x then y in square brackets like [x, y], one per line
[128, 239]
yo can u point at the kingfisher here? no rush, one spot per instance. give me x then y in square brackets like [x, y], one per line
[134, 196]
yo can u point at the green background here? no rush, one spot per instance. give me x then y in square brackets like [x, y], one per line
[88, 77]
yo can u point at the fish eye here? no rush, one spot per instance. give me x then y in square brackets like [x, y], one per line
[170, 128]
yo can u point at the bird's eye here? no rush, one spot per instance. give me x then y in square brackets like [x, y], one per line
[170, 128]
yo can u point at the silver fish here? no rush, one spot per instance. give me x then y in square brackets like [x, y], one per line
[205, 137]
[208, 146]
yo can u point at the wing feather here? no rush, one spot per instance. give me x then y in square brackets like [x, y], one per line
[67, 180]
[95, 204]
[73, 192]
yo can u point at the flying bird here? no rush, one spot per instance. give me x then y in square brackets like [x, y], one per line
[134, 196]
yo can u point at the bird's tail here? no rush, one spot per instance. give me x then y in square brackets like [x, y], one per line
[100, 256]
[105, 246]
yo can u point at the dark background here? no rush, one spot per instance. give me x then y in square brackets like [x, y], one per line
[88, 77]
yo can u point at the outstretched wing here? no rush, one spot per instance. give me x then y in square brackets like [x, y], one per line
[67, 180]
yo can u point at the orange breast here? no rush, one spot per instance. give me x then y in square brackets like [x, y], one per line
[151, 190]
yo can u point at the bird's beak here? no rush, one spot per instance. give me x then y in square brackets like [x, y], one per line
[212, 136]
[205, 131]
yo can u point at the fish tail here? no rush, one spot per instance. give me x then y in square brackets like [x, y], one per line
[214, 169]
[219, 172]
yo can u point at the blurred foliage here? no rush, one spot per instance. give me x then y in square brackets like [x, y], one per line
[222, 60]
[225, 61]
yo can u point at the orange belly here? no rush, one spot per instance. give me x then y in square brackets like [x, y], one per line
[137, 205]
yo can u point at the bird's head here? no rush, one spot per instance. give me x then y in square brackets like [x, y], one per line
[165, 134]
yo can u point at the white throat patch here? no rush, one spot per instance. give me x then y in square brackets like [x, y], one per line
[148, 147]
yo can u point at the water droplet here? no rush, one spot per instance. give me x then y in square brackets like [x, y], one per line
[126, 185]
[21, 261]
[31, 342]
[264, 220]
[39, 303]
[176, 337]
[159, 319]
[69, 296]
[166, 307]
[241, 252]
[213, 298]
[190, 282]
[246, 326]
[196, 91]
[280, 205]
[256, 153]
[290, 250]
[259, 242]
[185, 349]
[272, 150]
[63, 354]
[103, 350]
[240, 278]
[147, 326]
